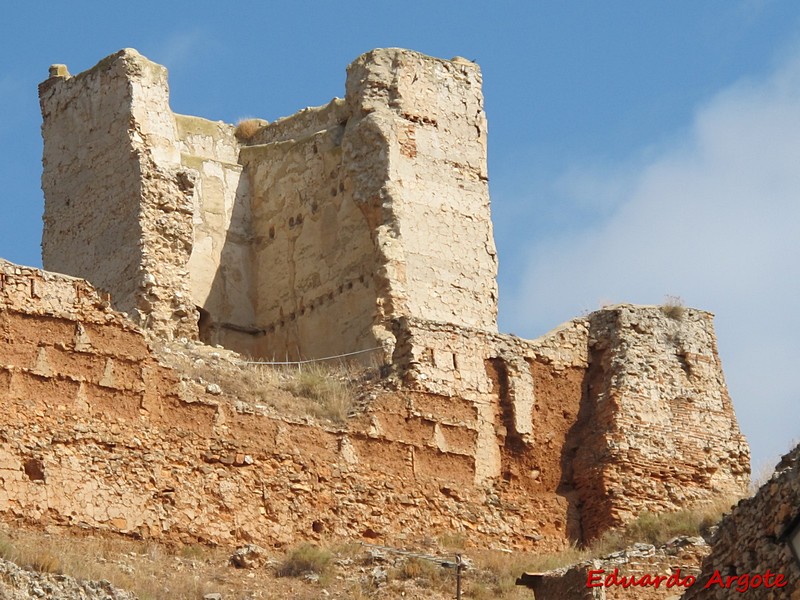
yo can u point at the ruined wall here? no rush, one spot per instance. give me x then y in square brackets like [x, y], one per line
[679, 558]
[623, 411]
[358, 224]
[220, 267]
[315, 259]
[749, 541]
[96, 433]
[660, 428]
[85, 122]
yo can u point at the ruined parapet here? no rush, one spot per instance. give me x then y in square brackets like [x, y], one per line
[639, 572]
[303, 238]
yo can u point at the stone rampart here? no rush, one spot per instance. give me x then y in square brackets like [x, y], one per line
[119, 205]
[632, 574]
[751, 541]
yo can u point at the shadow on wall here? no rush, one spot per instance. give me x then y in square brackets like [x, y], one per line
[227, 317]
[581, 463]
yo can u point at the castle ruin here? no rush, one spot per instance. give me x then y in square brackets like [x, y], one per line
[307, 238]
[362, 225]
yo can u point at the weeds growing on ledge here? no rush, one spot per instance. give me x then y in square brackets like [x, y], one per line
[673, 307]
[247, 128]
[322, 390]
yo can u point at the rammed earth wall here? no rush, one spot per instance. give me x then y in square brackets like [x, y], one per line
[97, 433]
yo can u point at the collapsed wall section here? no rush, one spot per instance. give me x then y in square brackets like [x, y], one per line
[751, 542]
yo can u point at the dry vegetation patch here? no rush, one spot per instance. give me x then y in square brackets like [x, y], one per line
[674, 307]
[344, 570]
[247, 128]
[326, 391]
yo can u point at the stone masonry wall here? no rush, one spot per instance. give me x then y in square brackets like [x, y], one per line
[749, 541]
[660, 428]
[315, 259]
[220, 266]
[78, 238]
[417, 143]
[679, 558]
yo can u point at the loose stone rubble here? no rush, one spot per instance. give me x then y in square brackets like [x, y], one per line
[20, 584]
[679, 558]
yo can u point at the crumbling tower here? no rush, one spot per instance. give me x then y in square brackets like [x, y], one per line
[306, 239]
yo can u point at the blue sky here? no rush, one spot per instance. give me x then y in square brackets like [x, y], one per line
[637, 149]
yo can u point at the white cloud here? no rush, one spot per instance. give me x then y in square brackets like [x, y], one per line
[180, 48]
[715, 219]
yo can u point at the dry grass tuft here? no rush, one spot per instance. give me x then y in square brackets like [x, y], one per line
[329, 388]
[247, 128]
[673, 307]
[305, 559]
